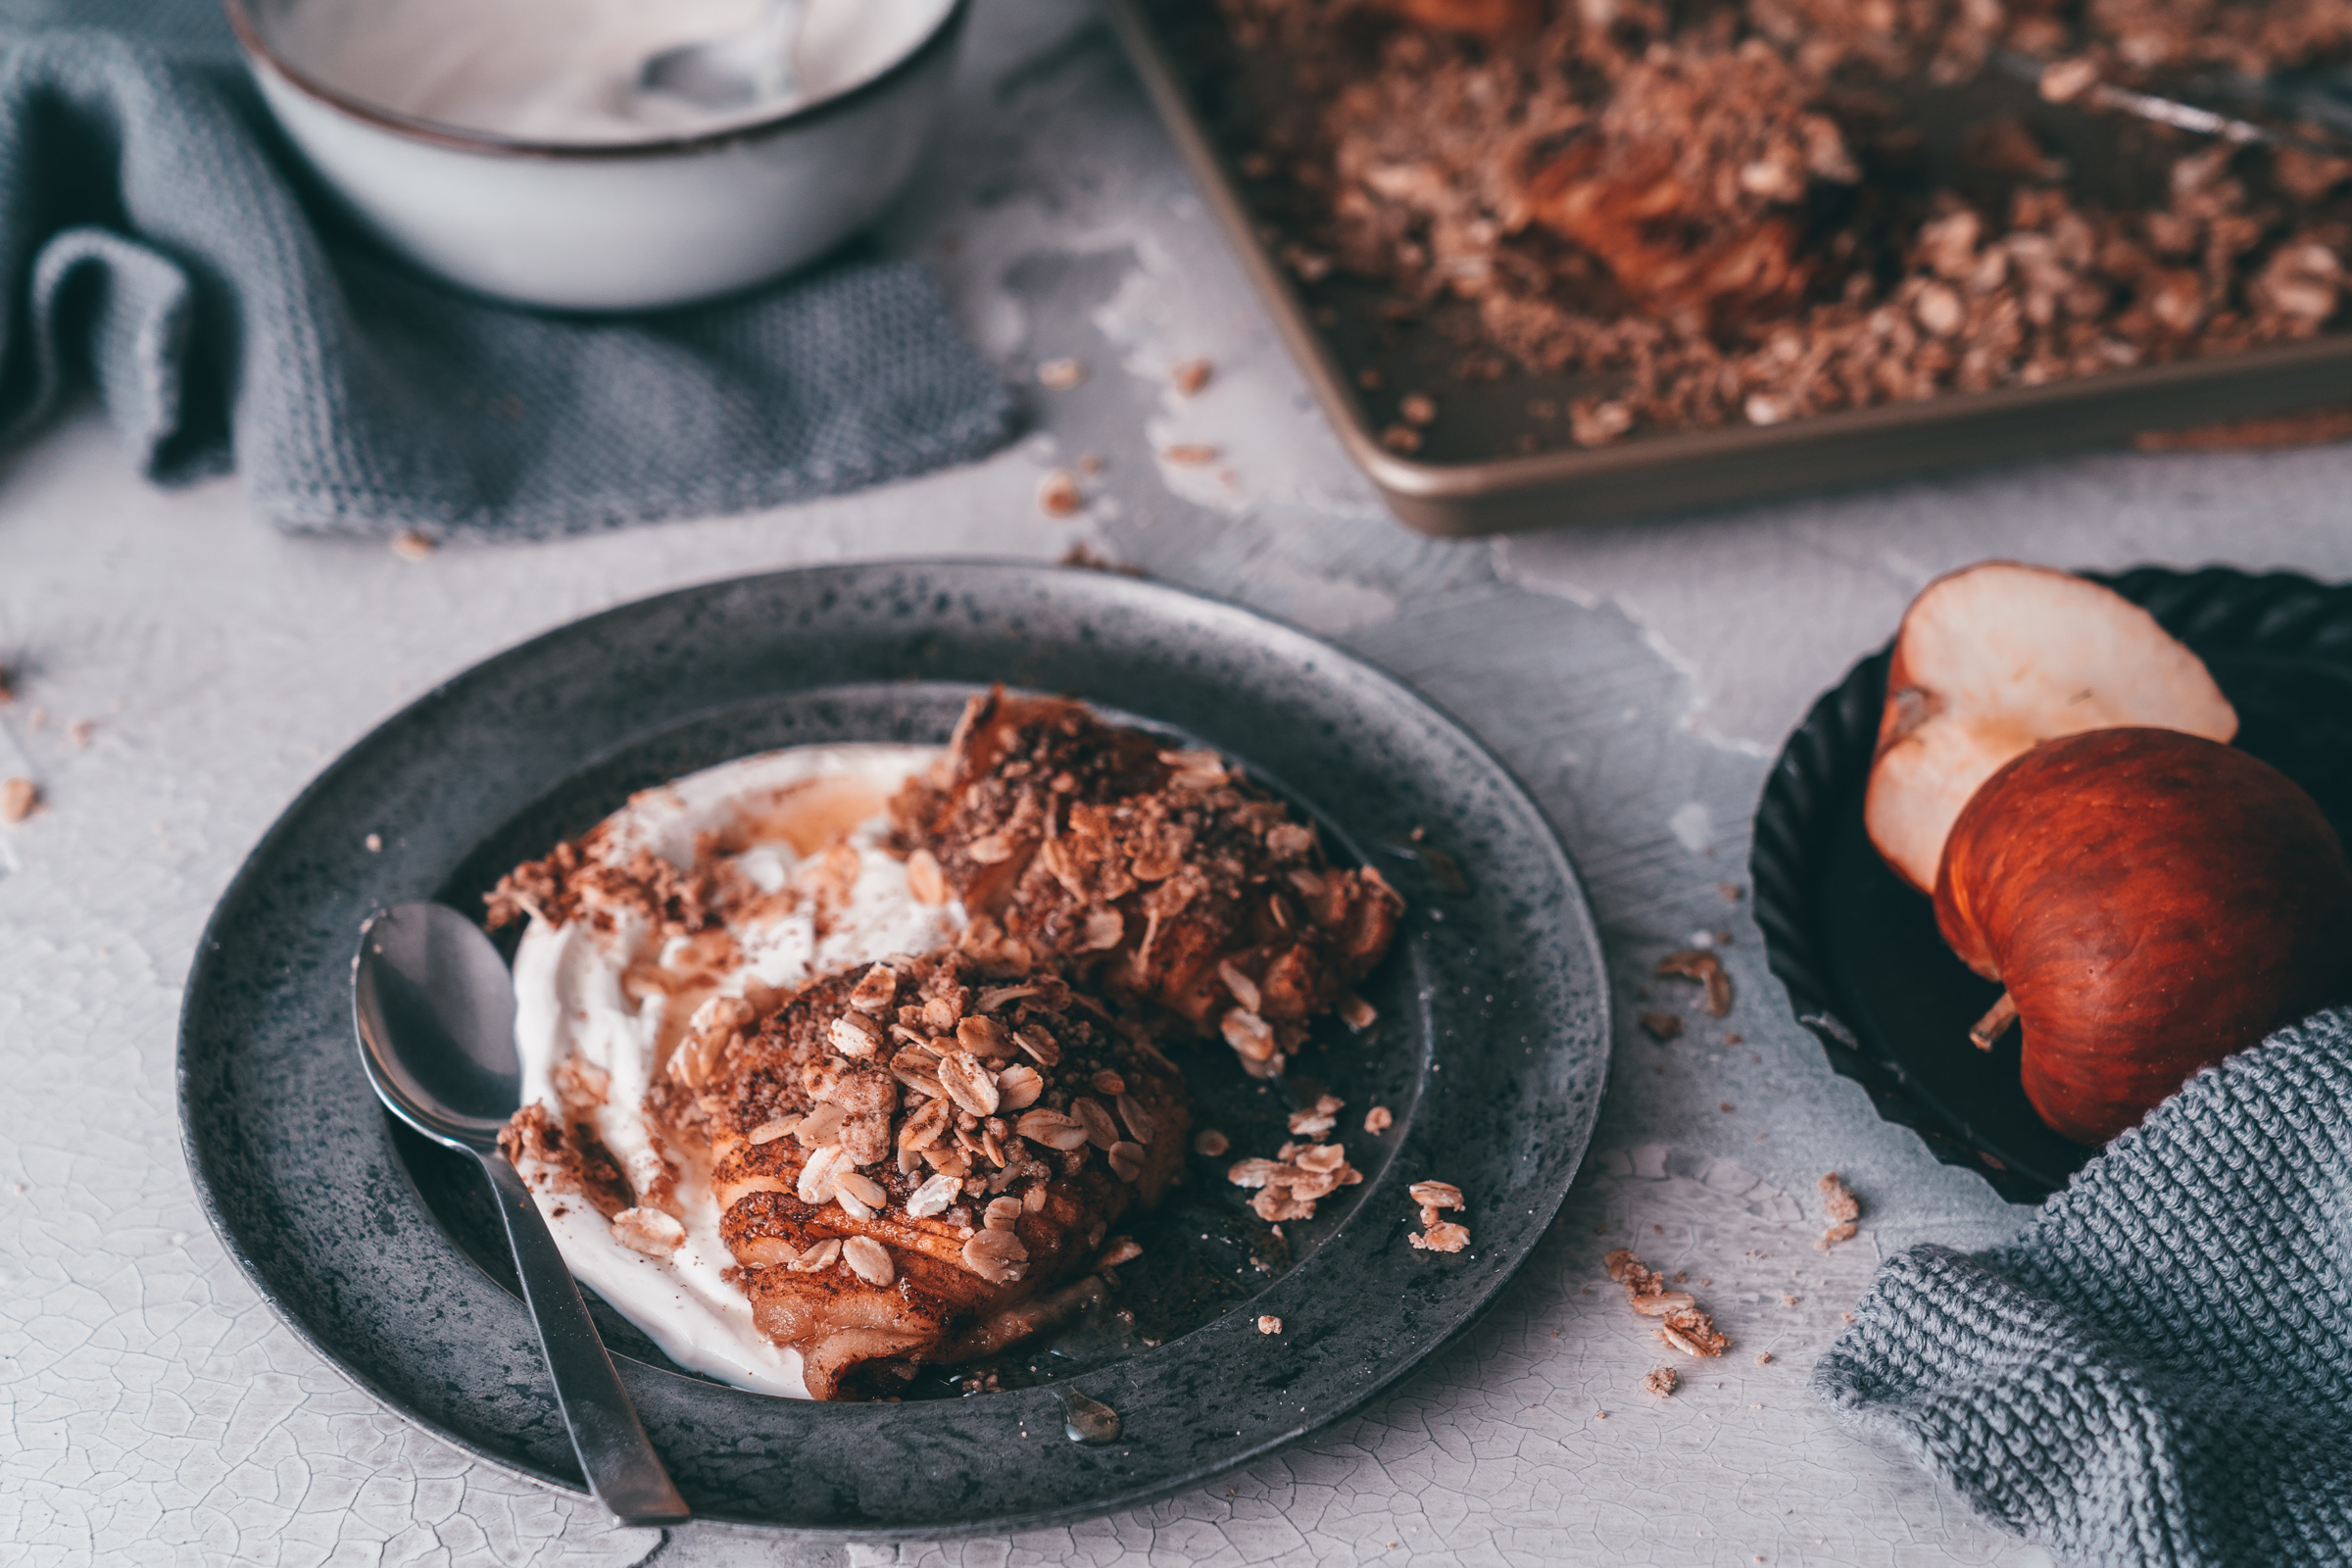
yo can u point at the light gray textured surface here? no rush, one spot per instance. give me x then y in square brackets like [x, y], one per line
[1637, 679]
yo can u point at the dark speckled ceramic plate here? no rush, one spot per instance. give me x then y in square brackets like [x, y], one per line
[1491, 1050]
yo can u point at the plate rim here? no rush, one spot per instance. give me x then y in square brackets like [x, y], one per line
[1598, 1052]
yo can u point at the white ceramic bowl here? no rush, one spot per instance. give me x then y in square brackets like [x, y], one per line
[626, 228]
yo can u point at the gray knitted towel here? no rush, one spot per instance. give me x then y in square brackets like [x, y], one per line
[2159, 1371]
[152, 241]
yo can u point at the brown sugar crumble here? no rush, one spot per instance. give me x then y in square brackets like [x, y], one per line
[1839, 1201]
[1660, 1381]
[1683, 1324]
[1747, 214]
[1269, 1324]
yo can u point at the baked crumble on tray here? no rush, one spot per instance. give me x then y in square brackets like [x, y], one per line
[1750, 210]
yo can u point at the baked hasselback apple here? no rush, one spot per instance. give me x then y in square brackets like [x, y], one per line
[911, 1156]
[1158, 874]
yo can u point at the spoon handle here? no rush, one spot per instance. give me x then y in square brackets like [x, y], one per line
[617, 1457]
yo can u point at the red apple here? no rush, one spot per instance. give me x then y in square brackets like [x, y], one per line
[1991, 660]
[2153, 902]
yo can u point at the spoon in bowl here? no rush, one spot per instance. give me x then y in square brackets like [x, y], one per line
[751, 68]
[435, 1009]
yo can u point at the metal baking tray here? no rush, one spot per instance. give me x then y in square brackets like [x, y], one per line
[1474, 473]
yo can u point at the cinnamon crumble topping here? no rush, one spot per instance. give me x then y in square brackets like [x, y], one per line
[1161, 875]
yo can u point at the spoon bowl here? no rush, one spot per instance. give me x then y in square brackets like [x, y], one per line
[435, 1009]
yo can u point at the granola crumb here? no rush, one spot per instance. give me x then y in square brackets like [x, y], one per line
[1848, 1316]
[1379, 1119]
[1698, 963]
[1839, 1201]
[1442, 1237]
[17, 798]
[410, 544]
[1600, 1415]
[1060, 375]
[1059, 495]
[1730, 891]
[1268, 1323]
[1661, 1026]
[1401, 438]
[1660, 1381]
[1684, 1324]
[1727, 1107]
[1210, 1142]
[1418, 408]
[1190, 377]
[375, 843]
[1190, 454]
[1763, 1358]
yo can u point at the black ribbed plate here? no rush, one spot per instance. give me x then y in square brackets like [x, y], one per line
[1491, 1048]
[1859, 952]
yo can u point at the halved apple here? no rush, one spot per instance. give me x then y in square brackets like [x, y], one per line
[1996, 657]
[2153, 902]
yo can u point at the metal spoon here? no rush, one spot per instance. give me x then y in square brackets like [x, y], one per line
[435, 1009]
[2072, 83]
[735, 73]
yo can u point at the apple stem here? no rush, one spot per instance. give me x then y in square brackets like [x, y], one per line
[1994, 1024]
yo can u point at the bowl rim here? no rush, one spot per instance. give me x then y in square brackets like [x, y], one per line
[262, 56]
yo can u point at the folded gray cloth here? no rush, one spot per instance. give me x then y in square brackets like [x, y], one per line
[153, 242]
[2159, 1370]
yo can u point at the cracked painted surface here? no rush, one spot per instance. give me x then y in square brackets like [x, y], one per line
[1635, 678]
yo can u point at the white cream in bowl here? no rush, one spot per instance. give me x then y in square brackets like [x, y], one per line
[601, 1005]
[566, 71]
